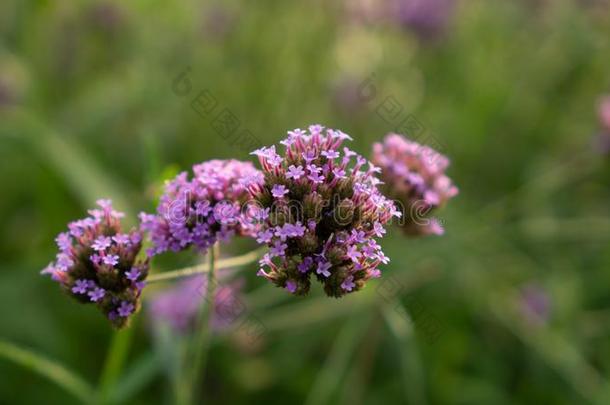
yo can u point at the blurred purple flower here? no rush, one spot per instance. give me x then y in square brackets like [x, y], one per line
[178, 306]
[535, 304]
[7, 97]
[428, 19]
[602, 139]
[347, 96]
[602, 143]
[414, 175]
[107, 16]
[218, 22]
[604, 113]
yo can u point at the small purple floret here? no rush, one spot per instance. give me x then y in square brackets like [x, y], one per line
[132, 275]
[125, 309]
[80, 287]
[97, 294]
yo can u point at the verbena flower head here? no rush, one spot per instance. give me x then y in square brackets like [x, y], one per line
[179, 306]
[320, 212]
[414, 175]
[201, 210]
[97, 264]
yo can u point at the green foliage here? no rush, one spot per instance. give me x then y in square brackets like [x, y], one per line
[509, 94]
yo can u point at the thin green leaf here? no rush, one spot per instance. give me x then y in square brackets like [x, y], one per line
[136, 378]
[313, 310]
[357, 380]
[115, 358]
[401, 326]
[171, 349]
[50, 369]
[329, 378]
[557, 351]
[201, 340]
[69, 159]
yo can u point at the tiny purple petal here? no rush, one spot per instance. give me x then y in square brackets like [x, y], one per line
[330, 154]
[101, 243]
[379, 230]
[348, 284]
[80, 287]
[278, 249]
[323, 268]
[96, 294]
[95, 259]
[64, 241]
[291, 286]
[125, 309]
[132, 275]
[279, 191]
[121, 239]
[265, 236]
[353, 253]
[111, 260]
[295, 172]
[305, 265]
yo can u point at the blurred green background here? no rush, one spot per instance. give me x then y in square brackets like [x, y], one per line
[511, 306]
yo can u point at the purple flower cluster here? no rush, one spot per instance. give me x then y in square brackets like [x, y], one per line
[320, 211]
[317, 207]
[199, 211]
[97, 263]
[178, 306]
[414, 175]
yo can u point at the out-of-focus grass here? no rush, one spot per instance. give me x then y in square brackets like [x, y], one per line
[508, 94]
[64, 378]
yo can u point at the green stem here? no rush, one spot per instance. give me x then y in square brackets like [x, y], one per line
[236, 261]
[68, 380]
[115, 358]
[180, 384]
[406, 344]
[201, 341]
[140, 374]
